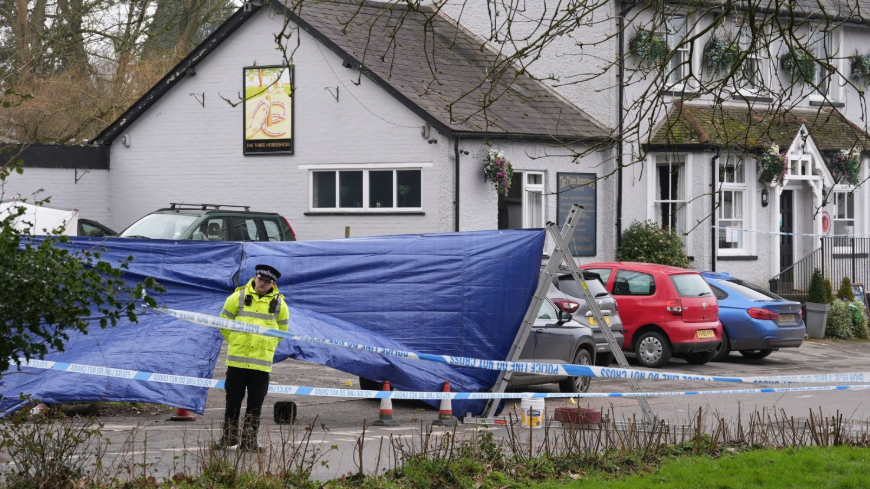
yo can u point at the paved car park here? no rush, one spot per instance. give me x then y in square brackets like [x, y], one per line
[174, 446]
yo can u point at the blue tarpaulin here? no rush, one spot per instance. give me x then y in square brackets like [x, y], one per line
[461, 294]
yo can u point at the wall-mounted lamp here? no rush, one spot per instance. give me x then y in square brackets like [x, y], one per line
[765, 197]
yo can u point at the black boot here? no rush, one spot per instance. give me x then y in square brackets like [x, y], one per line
[229, 435]
[250, 427]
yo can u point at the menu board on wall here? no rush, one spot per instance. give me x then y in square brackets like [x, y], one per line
[580, 189]
[268, 110]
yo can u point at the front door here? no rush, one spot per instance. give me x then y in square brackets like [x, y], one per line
[786, 225]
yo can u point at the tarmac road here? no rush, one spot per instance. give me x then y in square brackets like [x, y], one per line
[148, 443]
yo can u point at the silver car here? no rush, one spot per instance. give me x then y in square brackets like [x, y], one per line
[569, 289]
[557, 338]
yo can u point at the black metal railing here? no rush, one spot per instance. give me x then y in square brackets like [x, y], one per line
[836, 258]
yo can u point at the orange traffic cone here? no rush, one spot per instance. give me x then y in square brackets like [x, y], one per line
[385, 416]
[445, 414]
[182, 415]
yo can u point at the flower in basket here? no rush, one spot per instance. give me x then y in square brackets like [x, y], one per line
[498, 170]
[845, 166]
[772, 165]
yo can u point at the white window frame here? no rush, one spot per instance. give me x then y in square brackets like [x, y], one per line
[741, 32]
[528, 190]
[680, 64]
[844, 190]
[365, 168]
[747, 188]
[652, 184]
[825, 48]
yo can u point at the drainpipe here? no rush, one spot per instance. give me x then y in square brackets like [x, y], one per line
[456, 184]
[620, 116]
[713, 163]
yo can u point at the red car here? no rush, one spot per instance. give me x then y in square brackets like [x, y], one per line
[666, 311]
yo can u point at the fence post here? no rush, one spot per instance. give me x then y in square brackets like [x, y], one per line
[854, 259]
[823, 258]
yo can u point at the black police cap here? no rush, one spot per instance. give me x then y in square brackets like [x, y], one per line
[268, 272]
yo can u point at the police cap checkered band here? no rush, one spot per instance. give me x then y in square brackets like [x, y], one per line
[266, 271]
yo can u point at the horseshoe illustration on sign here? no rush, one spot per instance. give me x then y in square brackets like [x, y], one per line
[266, 114]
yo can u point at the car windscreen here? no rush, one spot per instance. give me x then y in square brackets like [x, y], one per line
[752, 292]
[159, 226]
[690, 285]
[569, 286]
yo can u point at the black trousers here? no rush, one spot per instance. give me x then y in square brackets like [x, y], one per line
[239, 380]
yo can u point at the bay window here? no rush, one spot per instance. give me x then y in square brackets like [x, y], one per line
[731, 213]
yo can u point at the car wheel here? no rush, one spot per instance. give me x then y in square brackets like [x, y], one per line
[756, 354]
[369, 385]
[700, 358]
[604, 359]
[577, 384]
[724, 348]
[653, 349]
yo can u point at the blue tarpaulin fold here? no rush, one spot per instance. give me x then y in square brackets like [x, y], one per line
[461, 294]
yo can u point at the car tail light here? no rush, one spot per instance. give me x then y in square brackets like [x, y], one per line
[800, 314]
[289, 227]
[759, 313]
[674, 307]
[566, 306]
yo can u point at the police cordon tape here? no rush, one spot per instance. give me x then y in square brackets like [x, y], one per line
[296, 390]
[522, 367]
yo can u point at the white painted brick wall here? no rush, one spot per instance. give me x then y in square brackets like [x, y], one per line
[90, 195]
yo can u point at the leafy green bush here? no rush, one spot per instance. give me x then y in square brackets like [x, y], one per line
[816, 293]
[829, 292]
[859, 320]
[861, 68]
[845, 293]
[645, 241]
[839, 323]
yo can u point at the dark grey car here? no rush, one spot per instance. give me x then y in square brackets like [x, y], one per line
[566, 285]
[556, 338]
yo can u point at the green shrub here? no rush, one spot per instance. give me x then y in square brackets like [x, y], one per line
[859, 320]
[829, 292]
[845, 293]
[801, 65]
[816, 293]
[839, 323]
[645, 241]
[720, 54]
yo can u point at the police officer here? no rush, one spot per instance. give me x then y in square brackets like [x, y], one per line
[249, 356]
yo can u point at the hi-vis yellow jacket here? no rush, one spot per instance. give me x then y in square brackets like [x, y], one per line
[248, 350]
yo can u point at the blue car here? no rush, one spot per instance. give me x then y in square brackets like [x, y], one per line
[755, 321]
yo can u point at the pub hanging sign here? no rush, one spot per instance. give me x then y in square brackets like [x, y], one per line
[268, 110]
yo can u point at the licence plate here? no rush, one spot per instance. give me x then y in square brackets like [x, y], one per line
[786, 318]
[706, 333]
[593, 322]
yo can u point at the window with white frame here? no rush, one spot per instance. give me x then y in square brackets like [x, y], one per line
[366, 190]
[732, 213]
[821, 48]
[752, 78]
[670, 193]
[844, 216]
[678, 70]
[523, 207]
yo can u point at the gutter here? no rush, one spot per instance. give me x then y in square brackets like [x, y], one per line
[456, 184]
[713, 162]
[620, 128]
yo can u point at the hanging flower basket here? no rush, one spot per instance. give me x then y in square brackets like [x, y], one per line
[720, 55]
[801, 66]
[845, 166]
[772, 164]
[651, 47]
[498, 170]
[861, 68]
